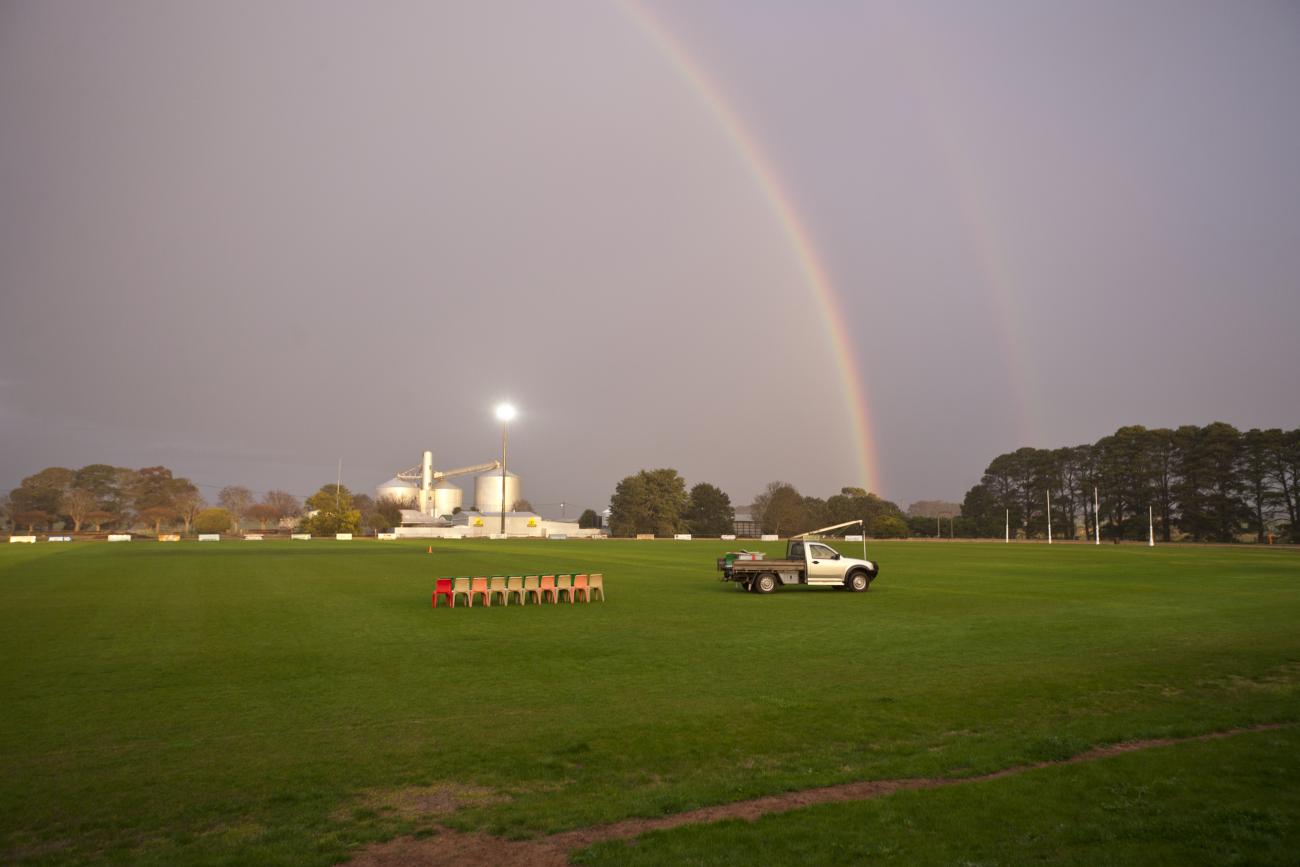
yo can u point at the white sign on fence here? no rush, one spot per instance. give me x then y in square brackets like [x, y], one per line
[559, 536]
[387, 536]
[686, 537]
[252, 537]
[645, 536]
[853, 537]
[343, 537]
[303, 536]
[209, 537]
[769, 537]
[729, 537]
[60, 539]
[496, 535]
[119, 537]
[169, 537]
[30, 540]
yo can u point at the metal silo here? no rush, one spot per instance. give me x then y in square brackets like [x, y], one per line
[487, 491]
[400, 490]
[446, 498]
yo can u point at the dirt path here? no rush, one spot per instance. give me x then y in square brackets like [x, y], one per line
[481, 850]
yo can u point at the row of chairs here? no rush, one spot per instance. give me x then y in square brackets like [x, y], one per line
[539, 587]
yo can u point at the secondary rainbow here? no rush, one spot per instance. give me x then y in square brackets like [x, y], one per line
[768, 182]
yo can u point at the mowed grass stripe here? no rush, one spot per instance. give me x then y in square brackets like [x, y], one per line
[152, 691]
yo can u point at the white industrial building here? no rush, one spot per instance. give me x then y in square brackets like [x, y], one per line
[432, 506]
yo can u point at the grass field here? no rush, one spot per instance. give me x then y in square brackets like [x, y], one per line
[286, 703]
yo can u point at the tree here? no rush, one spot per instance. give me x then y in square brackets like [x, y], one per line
[102, 481]
[99, 517]
[235, 499]
[522, 505]
[158, 515]
[32, 517]
[212, 521]
[43, 491]
[286, 504]
[330, 511]
[888, 527]
[708, 511]
[1254, 468]
[77, 504]
[263, 513]
[391, 509]
[187, 501]
[589, 520]
[652, 501]
[780, 509]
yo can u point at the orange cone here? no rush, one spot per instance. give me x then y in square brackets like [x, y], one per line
[430, 549]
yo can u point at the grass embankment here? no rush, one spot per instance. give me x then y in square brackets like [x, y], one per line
[268, 702]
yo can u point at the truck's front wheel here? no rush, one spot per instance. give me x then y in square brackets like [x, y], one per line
[765, 583]
[858, 582]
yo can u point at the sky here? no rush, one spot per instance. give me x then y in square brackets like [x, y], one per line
[829, 243]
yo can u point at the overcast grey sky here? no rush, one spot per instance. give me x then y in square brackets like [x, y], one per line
[245, 240]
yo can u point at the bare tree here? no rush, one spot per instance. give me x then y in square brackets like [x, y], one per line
[286, 505]
[235, 499]
[188, 502]
[76, 504]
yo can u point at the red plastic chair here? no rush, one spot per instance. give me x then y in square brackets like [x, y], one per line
[580, 586]
[443, 588]
[477, 586]
[548, 586]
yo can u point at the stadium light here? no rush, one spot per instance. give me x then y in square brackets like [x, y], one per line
[505, 414]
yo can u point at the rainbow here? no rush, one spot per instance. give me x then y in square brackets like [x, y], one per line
[769, 183]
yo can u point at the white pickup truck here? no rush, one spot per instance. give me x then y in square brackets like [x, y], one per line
[806, 562]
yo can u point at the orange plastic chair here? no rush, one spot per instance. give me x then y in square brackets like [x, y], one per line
[563, 585]
[580, 586]
[442, 587]
[548, 586]
[498, 586]
[460, 586]
[515, 586]
[596, 584]
[479, 586]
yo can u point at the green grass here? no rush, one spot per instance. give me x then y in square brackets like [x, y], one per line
[231, 703]
[1221, 802]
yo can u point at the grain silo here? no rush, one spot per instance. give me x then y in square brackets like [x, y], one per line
[487, 491]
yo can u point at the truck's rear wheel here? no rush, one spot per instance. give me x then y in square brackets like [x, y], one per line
[858, 582]
[765, 583]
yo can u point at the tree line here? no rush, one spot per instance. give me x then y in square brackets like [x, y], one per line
[102, 496]
[1204, 484]
[657, 502]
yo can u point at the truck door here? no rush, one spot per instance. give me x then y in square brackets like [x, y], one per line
[823, 564]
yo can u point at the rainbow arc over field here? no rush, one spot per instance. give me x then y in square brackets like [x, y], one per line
[769, 183]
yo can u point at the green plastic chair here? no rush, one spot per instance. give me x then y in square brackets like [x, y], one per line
[498, 586]
[515, 586]
[461, 585]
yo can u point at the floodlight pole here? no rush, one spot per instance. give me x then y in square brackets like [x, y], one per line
[505, 425]
[1096, 516]
[1008, 526]
[938, 527]
[1151, 528]
[1049, 517]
